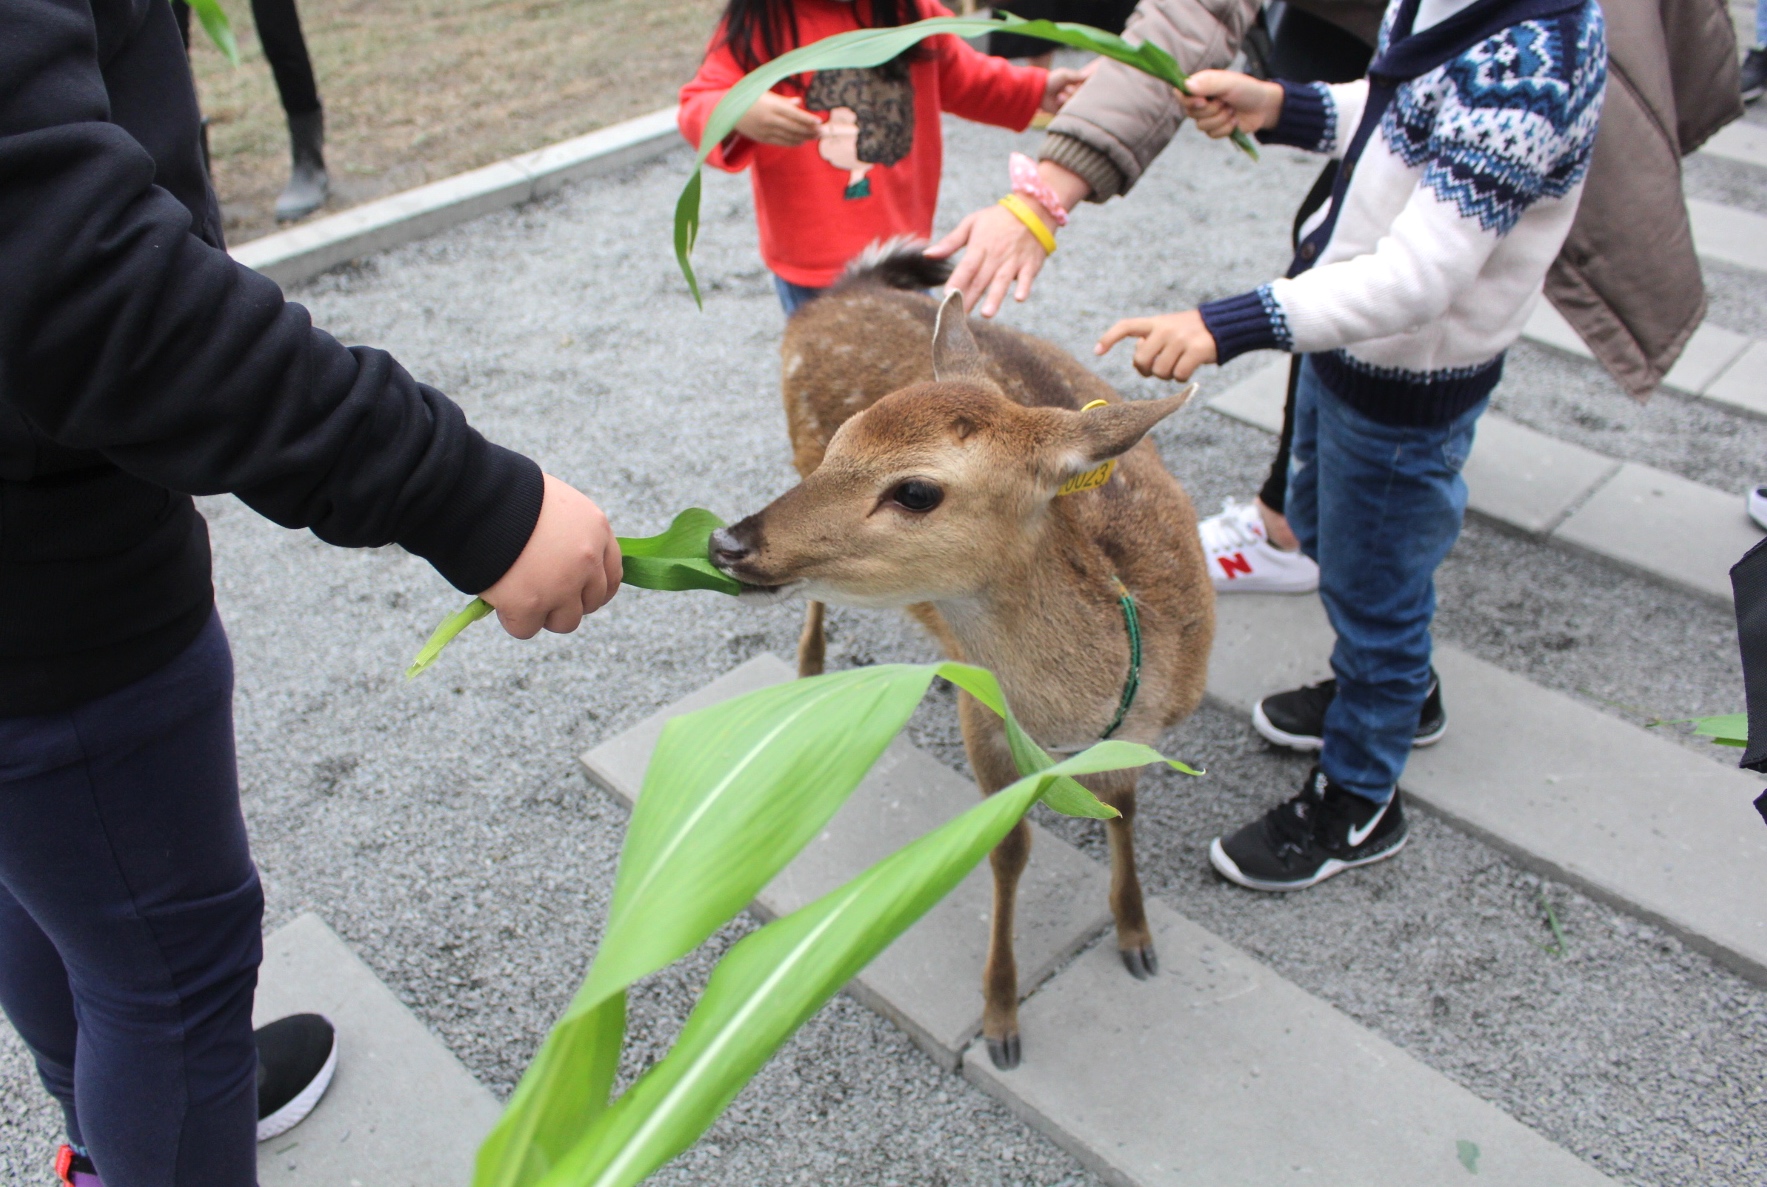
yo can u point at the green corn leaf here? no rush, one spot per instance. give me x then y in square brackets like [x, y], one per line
[774, 980]
[216, 25]
[678, 559]
[863, 48]
[444, 634]
[1729, 729]
[732, 794]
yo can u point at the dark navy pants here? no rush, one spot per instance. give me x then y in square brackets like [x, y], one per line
[130, 918]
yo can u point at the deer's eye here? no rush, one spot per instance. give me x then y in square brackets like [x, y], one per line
[917, 494]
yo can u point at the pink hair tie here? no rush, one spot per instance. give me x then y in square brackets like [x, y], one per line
[1026, 181]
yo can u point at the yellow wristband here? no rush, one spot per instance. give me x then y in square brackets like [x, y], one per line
[1027, 216]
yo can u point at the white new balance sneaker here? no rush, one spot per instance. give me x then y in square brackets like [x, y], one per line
[1241, 558]
[1758, 506]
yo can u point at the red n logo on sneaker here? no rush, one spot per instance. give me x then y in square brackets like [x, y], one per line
[1235, 566]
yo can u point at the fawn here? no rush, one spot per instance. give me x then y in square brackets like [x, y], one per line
[934, 454]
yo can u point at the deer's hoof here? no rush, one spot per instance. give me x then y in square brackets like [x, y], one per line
[1004, 1052]
[1141, 962]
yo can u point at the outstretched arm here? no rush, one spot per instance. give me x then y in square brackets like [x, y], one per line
[1099, 144]
[124, 333]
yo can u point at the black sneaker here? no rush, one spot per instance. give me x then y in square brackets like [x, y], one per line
[1754, 74]
[1324, 830]
[1296, 718]
[296, 1058]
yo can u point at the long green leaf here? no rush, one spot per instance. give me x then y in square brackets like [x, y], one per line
[679, 558]
[1729, 729]
[216, 25]
[732, 794]
[862, 48]
[444, 635]
[774, 980]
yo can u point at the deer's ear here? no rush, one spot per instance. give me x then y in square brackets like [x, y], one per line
[955, 353]
[1108, 432]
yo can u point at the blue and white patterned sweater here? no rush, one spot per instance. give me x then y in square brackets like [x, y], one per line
[1455, 209]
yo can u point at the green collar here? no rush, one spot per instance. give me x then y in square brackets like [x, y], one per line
[1131, 685]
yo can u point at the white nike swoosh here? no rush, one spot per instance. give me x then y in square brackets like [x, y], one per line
[1359, 835]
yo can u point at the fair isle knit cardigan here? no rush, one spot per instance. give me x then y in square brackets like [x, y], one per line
[1464, 153]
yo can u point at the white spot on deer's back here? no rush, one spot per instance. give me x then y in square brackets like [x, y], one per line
[792, 364]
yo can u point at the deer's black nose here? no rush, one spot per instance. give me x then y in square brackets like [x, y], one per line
[728, 548]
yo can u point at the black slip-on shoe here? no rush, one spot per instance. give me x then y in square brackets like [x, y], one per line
[1296, 718]
[1754, 74]
[297, 1056]
[1322, 831]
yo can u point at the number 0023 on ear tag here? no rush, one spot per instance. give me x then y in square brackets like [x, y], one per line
[1090, 480]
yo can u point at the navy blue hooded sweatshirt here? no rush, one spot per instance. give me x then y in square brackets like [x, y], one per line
[140, 365]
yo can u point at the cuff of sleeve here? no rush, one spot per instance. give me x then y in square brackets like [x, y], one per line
[1086, 162]
[1250, 321]
[1306, 117]
[486, 520]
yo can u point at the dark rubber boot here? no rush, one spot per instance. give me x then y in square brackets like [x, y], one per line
[308, 185]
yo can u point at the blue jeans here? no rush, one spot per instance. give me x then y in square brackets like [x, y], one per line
[130, 917]
[1378, 506]
[793, 295]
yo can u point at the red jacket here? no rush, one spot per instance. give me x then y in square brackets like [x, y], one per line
[823, 202]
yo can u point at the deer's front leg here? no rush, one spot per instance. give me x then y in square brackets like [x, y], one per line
[985, 741]
[812, 643]
[1134, 939]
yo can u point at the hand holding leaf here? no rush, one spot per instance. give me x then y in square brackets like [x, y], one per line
[678, 559]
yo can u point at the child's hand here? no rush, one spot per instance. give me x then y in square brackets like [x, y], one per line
[1173, 345]
[1223, 101]
[1061, 87]
[779, 121]
[570, 567]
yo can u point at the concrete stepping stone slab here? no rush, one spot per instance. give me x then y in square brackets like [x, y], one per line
[1709, 351]
[1662, 524]
[929, 981]
[1517, 475]
[1728, 234]
[1711, 356]
[1547, 326]
[1742, 142]
[1525, 478]
[1742, 386]
[1257, 400]
[1220, 1072]
[401, 1110]
[1631, 818]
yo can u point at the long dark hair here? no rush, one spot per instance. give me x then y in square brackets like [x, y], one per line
[758, 31]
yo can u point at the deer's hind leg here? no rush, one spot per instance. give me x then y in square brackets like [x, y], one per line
[985, 741]
[1134, 938]
[813, 642]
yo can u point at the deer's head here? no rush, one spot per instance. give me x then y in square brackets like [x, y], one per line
[932, 493]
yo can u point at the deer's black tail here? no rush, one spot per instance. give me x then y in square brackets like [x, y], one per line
[897, 263]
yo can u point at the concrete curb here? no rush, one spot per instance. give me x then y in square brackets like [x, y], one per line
[303, 252]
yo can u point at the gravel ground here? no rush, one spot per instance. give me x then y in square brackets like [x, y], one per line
[444, 829]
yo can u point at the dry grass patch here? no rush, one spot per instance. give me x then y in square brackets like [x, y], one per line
[417, 90]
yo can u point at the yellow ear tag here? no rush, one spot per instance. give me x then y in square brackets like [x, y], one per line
[1093, 478]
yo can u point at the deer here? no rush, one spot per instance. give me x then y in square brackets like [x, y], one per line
[1009, 500]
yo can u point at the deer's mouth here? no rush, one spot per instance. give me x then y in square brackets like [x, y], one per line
[767, 595]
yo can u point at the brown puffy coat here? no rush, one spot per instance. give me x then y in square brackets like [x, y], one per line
[1627, 277]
